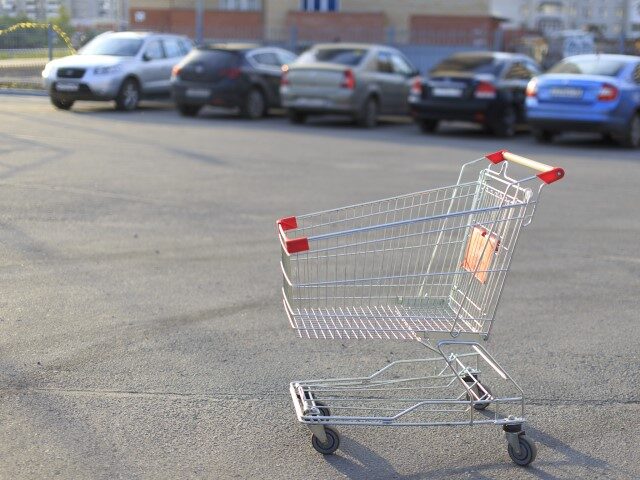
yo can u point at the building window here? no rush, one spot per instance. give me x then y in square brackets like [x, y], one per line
[550, 8]
[319, 5]
[240, 4]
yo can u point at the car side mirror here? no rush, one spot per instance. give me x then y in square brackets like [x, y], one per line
[146, 57]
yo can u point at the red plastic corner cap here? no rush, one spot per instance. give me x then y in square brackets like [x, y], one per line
[495, 157]
[288, 223]
[550, 176]
[297, 245]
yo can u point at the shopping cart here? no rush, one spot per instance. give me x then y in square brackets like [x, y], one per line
[428, 266]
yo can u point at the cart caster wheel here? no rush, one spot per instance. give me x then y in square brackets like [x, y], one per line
[332, 444]
[482, 406]
[528, 451]
[324, 410]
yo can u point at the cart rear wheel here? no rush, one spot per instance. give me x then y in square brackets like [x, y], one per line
[331, 445]
[527, 454]
[324, 410]
[480, 392]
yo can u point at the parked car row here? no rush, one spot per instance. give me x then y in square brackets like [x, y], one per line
[500, 91]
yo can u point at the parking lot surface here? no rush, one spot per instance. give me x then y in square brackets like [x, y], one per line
[142, 334]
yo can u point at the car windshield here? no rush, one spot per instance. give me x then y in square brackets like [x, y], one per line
[119, 47]
[589, 66]
[344, 56]
[466, 64]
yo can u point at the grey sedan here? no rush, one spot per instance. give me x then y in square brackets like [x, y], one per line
[358, 80]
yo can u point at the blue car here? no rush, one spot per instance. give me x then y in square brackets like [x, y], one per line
[587, 93]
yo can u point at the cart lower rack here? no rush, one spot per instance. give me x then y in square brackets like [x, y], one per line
[430, 267]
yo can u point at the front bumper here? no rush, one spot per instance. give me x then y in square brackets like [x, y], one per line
[89, 87]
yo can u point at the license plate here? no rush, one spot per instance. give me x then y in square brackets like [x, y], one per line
[198, 92]
[566, 92]
[67, 87]
[447, 92]
[311, 102]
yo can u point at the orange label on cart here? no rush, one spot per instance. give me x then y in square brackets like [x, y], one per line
[479, 252]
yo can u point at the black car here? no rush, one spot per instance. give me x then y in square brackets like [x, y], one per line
[230, 75]
[487, 88]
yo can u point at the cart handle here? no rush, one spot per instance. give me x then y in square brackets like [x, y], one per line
[548, 174]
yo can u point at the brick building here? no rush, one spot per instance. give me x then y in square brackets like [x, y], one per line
[438, 22]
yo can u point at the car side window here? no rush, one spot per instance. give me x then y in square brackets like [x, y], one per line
[286, 57]
[154, 51]
[401, 66]
[266, 59]
[384, 62]
[172, 48]
[518, 71]
[185, 46]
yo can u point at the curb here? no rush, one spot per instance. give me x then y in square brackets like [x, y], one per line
[23, 91]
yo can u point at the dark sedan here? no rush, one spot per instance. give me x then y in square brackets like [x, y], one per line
[240, 76]
[487, 88]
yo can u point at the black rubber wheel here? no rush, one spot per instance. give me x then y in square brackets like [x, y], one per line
[332, 444]
[61, 104]
[367, 117]
[255, 105]
[324, 410]
[296, 117]
[189, 110]
[428, 126]
[631, 138]
[542, 136]
[128, 96]
[528, 451]
[506, 125]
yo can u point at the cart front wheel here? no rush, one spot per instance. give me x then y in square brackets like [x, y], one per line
[324, 410]
[527, 454]
[331, 445]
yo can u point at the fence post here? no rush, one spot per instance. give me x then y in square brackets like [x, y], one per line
[50, 40]
[391, 35]
[293, 38]
[199, 21]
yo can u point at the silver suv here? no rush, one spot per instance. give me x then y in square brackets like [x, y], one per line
[122, 66]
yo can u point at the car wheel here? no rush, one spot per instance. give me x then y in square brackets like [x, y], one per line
[506, 125]
[128, 96]
[368, 115]
[61, 104]
[542, 136]
[428, 126]
[189, 110]
[255, 105]
[631, 138]
[296, 117]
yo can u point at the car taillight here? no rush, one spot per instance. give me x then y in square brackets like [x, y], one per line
[416, 87]
[607, 92]
[231, 73]
[532, 88]
[349, 80]
[486, 90]
[175, 71]
[284, 78]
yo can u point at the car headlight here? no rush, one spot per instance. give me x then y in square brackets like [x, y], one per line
[107, 70]
[47, 71]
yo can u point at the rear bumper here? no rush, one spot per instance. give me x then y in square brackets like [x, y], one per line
[558, 121]
[479, 111]
[340, 102]
[191, 93]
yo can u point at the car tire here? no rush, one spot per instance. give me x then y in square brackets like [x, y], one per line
[367, 117]
[428, 126]
[542, 136]
[631, 138]
[61, 104]
[255, 105]
[128, 96]
[506, 125]
[296, 117]
[189, 110]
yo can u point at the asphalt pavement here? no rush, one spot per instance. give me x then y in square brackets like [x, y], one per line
[142, 333]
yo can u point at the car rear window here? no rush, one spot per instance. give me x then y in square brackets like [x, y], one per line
[467, 64]
[215, 58]
[589, 66]
[344, 56]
